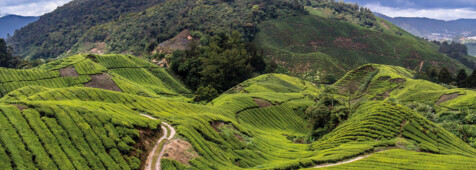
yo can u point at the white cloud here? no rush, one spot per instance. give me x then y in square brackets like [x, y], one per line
[35, 8]
[442, 14]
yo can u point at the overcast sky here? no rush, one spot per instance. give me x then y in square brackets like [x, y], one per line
[438, 9]
[29, 7]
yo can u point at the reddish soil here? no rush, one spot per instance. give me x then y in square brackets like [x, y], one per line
[385, 25]
[102, 81]
[217, 125]
[447, 97]
[68, 72]
[100, 47]
[21, 107]
[181, 151]
[180, 42]
[262, 103]
[146, 143]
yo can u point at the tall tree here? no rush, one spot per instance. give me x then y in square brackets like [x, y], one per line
[471, 81]
[445, 76]
[461, 78]
[6, 56]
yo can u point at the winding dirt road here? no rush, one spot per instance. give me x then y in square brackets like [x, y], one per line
[166, 136]
[348, 161]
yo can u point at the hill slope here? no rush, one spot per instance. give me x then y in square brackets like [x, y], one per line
[251, 126]
[56, 32]
[305, 45]
[10, 23]
[434, 29]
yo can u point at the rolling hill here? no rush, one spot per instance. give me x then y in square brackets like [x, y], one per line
[85, 112]
[320, 39]
[10, 23]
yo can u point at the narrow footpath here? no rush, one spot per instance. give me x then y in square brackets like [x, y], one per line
[154, 154]
[348, 161]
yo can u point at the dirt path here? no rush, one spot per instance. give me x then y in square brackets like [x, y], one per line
[166, 136]
[348, 161]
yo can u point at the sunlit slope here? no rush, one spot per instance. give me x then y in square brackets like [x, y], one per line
[250, 126]
[114, 72]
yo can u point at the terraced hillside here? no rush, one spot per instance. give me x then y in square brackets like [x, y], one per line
[253, 125]
[315, 45]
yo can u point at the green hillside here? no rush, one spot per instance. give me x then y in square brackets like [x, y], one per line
[316, 40]
[315, 45]
[262, 123]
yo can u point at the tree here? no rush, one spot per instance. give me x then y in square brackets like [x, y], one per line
[461, 78]
[223, 63]
[445, 76]
[471, 81]
[207, 94]
[6, 55]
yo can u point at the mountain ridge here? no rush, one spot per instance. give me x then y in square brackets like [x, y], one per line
[10, 23]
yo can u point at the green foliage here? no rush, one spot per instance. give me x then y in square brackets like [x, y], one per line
[403, 159]
[338, 46]
[224, 63]
[163, 21]
[458, 52]
[56, 32]
[207, 94]
[6, 56]
[261, 123]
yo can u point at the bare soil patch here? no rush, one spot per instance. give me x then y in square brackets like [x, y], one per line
[180, 42]
[99, 49]
[68, 72]
[385, 25]
[447, 97]
[102, 81]
[398, 80]
[262, 103]
[181, 151]
[21, 107]
[146, 143]
[217, 125]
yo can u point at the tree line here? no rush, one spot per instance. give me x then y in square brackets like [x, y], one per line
[217, 65]
[444, 76]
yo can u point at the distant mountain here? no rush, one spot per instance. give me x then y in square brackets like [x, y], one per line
[10, 23]
[434, 29]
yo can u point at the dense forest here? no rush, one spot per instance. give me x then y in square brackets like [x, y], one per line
[56, 32]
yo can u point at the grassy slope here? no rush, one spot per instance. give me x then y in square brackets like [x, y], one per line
[304, 44]
[253, 136]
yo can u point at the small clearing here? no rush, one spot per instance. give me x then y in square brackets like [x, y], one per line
[102, 81]
[181, 151]
[262, 103]
[158, 152]
[446, 97]
[180, 42]
[21, 107]
[68, 72]
[348, 161]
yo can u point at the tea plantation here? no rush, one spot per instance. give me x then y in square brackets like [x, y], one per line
[86, 112]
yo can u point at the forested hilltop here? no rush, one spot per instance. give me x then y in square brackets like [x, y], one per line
[323, 38]
[56, 32]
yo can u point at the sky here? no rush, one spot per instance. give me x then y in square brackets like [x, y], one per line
[29, 7]
[436, 9]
